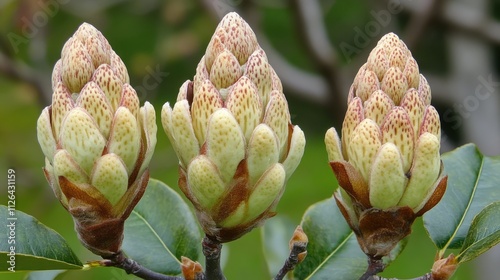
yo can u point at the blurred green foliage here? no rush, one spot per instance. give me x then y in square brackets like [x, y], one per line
[171, 36]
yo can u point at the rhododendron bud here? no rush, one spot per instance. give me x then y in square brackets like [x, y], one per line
[387, 161]
[96, 139]
[231, 130]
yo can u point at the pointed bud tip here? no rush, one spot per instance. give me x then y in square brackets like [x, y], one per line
[299, 238]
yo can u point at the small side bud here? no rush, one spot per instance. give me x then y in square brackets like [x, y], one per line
[298, 243]
[443, 269]
[299, 237]
[191, 270]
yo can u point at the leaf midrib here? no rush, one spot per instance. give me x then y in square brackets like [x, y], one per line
[452, 237]
[156, 235]
[330, 256]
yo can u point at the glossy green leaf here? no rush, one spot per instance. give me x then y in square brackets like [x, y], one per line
[473, 183]
[276, 234]
[333, 251]
[483, 234]
[161, 229]
[30, 245]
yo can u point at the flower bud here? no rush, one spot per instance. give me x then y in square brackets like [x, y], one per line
[191, 270]
[231, 130]
[96, 140]
[387, 161]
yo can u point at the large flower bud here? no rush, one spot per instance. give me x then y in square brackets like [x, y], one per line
[96, 139]
[231, 130]
[387, 161]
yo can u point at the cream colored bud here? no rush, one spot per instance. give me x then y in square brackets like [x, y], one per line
[231, 130]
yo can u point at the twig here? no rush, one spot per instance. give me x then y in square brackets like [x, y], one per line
[132, 267]
[427, 276]
[23, 72]
[212, 249]
[460, 16]
[293, 259]
[420, 21]
[375, 265]
[312, 30]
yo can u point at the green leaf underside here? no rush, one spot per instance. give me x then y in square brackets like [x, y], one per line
[483, 234]
[333, 251]
[276, 234]
[473, 183]
[37, 247]
[44, 275]
[160, 230]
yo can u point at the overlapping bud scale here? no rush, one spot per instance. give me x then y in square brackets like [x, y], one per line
[96, 139]
[231, 130]
[387, 159]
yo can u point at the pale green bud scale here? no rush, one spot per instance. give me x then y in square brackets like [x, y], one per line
[109, 83]
[225, 143]
[277, 117]
[257, 70]
[44, 134]
[415, 107]
[394, 84]
[77, 66]
[368, 83]
[424, 172]
[244, 103]
[81, 138]
[182, 131]
[262, 152]
[65, 165]
[332, 143]
[205, 182]
[225, 71]
[353, 117]
[130, 100]
[61, 105]
[387, 178]
[110, 177]
[266, 191]
[205, 102]
[125, 138]
[363, 146]
[378, 106]
[296, 151]
[92, 99]
[397, 129]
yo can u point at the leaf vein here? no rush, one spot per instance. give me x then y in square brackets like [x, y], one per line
[331, 255]
[156, 235]
[452, 237]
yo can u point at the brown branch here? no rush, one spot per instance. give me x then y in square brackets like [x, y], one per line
[22, 72]
[312, 31]
[420, 21]
[132, 267]
[212, 250]
[295, 257]
[460, 17]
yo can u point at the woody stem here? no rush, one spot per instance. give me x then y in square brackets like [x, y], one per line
[212, 250]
